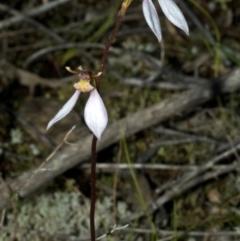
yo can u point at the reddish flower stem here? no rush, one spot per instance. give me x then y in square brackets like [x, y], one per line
[93, 187]
[116, 28]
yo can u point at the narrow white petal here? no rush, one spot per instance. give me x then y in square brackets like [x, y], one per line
[95, 114]
[65, 109]
[151, 16]
[174, 14]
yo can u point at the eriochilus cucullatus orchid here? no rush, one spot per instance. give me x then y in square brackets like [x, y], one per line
[95, 113]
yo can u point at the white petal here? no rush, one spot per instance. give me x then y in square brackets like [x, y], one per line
[95, 114]
[65, 109]
[174, 14]
[151, 16]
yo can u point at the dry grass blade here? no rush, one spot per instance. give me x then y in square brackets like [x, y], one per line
[33, 22]
[34, 12]
[177, 189]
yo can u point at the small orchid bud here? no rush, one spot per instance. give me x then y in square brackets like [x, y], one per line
[151, 16]
[65, 109]
[174, 14]
[95, 114]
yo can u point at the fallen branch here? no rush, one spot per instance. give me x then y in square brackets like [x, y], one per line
[175, 233]
[72, 155]
[29, 79]
[113, 167]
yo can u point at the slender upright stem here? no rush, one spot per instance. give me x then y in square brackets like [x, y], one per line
[93, 187]
[116, 28]
[117, 25]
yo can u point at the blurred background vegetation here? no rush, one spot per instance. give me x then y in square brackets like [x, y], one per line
[148, 169]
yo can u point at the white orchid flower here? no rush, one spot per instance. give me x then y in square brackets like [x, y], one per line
[151, 16]
[95, 113]
[65, 109]
[171, 11]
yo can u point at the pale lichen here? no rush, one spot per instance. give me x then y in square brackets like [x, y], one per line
[50, 216]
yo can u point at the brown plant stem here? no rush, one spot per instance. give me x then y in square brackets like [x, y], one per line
[93, 187]
[116, 28]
